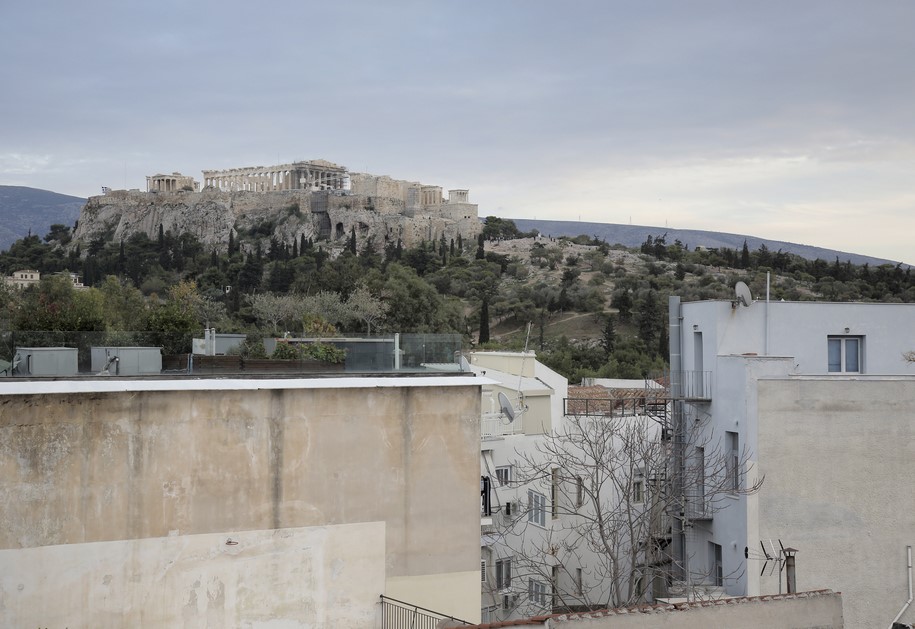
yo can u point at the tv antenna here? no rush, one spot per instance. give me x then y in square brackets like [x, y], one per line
[742, 295]
[780, 557]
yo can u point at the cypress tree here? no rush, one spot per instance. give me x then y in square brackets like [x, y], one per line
[484, 321]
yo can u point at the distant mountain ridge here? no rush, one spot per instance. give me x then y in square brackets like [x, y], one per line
[23, 209]
[635, 235]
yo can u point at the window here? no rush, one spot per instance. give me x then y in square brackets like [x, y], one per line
[554, 585]
[732, 452]
[844, 354]
[504, 475]
[579, 491]
[554, 493]
[638, 487]
[536, 592]
[715, 564]
[700, 480]
[483, 571]
[504, 573]
[578, 581]
[536, 505]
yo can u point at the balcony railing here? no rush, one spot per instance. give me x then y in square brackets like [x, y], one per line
[691, 385]
[655, 404]
[400, 615]
[497, 425]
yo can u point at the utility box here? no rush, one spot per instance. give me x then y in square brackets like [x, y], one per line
[127, 361]
[220, 344]
[45, 361]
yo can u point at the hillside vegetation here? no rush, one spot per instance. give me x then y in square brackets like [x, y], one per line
[594, 308]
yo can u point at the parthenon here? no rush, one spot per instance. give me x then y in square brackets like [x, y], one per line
[312, 175]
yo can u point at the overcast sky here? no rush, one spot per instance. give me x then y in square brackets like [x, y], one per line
[785, 120]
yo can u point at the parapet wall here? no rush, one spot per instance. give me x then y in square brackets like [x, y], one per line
[152, 483]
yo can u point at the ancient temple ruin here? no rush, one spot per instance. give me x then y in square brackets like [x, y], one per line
[314, 175]
[171, 183]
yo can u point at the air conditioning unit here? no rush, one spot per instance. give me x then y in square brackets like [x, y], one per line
[510, 509]
[509, 601]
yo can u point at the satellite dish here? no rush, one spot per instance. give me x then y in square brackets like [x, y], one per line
[744, 298]
[507, 409]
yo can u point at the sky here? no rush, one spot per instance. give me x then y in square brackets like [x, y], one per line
[790, 121]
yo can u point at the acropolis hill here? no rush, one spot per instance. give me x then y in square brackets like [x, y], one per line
[316, 199]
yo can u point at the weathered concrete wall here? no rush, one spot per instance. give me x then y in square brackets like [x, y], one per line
[807, 610]
[294, 577]
[84, 467]
[839, 458]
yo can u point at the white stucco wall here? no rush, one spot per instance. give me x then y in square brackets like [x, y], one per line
[799, 330]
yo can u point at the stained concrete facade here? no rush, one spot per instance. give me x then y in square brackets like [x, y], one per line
[832, 442]
[807, 610]
[237, 502]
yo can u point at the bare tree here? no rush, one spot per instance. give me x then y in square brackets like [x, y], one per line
[598, 499]
[909, 357]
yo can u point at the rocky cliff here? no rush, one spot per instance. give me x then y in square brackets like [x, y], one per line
[327, 217]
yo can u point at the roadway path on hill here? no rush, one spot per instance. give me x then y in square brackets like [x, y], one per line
[553, 322]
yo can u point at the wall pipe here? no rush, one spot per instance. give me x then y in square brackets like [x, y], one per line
[767, 313]
[908, 602]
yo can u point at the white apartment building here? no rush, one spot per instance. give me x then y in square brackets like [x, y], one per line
[536, 554]
[821, 398]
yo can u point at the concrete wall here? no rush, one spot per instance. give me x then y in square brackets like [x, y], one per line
[294, 577]
[83, 463]
[813, 610]
[839, 459]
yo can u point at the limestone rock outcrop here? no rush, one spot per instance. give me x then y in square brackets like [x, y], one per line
[324, 216]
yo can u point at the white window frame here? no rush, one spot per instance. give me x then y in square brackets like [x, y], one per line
[537, 592]
[504, 475]
[536, 508]
[842, 343]
[504, 573]
[638, 488]
[554, 493]
[732, 464]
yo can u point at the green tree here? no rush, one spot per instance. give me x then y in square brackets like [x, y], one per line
[484, 321]
[608, 337]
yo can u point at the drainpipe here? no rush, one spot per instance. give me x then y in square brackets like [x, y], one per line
[908, 550]
[767, 313]
[679, 552]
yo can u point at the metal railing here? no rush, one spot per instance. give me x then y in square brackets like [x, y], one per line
[497, 425]
[397, 614]
[72, 353]
[691, 385]
[616, 407]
